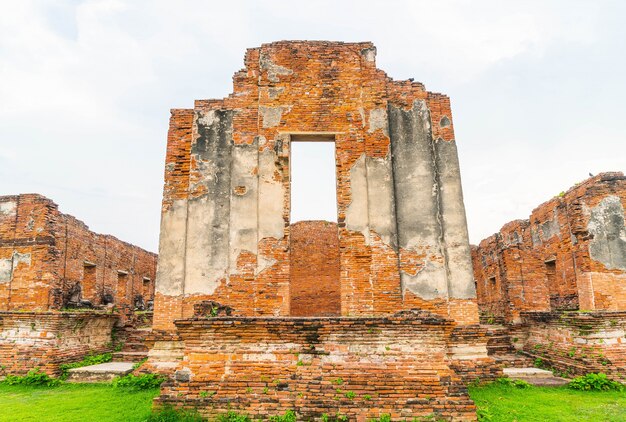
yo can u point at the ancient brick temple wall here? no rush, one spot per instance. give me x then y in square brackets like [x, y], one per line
[45, 340]
[225, 231]
[570, 254]
[45, 255]
[576, 343]
[357, 367]
[314, 282]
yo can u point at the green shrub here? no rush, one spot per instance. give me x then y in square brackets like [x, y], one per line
[233, 416]
[383, 418]
[33, 377]
[88, 360]
[139, 382]
[595, 382]
[289, 416]
[169, 414]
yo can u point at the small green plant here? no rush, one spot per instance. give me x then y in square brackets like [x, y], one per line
[367, 397]
[484, 415]
[169, 414]
[350, 395]
[88, 360]
[34, 377]
[595, 382]
[539, 363]
[205, 394]
[572, 352]
[385, 417]
[341, 418]
[249, 390]
[337, 381]
[299, 363]
[288, 416]
[139, 382]
[233, 416]
[138, 364]
[266, 390]
[475, 383]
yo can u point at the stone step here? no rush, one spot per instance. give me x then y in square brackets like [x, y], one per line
[130, 356]
[535, 376]
[103, 372]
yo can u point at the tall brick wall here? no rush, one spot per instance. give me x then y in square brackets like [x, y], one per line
[314, 277]
[45, 255]
[227, 238]
[570, 254]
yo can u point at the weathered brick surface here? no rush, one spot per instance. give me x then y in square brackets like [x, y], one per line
[307, 91]
[399, 244]
[45, 340]
[577, 343]
[358, 367]
[570, 254]
[315, 269]
[45, 255]
[49, 259]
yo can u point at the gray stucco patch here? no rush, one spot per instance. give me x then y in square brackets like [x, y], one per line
[8, 208]
[356, 213]
[273, 70]
[455, 237]
[550, 228]
[427, 283]
[271, 115]
[171, 265]
[378, 120]
[416, 193]
[8, 265]
[606, 224]
[208, 216]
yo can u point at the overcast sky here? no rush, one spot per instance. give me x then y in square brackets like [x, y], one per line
[538, 91]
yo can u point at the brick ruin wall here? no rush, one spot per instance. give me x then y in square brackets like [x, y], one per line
[558, 280]
[569, 255]
[233, 269]
[401, 222]
[48, 260]
[357, 367]
[45, 255]
[314, 278]
[45, 340]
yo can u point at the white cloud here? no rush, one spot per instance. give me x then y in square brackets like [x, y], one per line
[87, 85]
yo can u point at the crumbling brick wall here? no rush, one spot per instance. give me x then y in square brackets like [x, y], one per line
[314, 281]
[44, 340]
[225, 233]
[49, 259]
[570, 254]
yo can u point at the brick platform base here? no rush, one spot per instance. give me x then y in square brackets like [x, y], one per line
[358, 367]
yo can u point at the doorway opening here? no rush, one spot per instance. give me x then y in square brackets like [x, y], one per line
[314, 239]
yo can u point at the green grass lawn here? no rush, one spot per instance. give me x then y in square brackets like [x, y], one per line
[507, 404]
[74, 402]
[102, 402]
